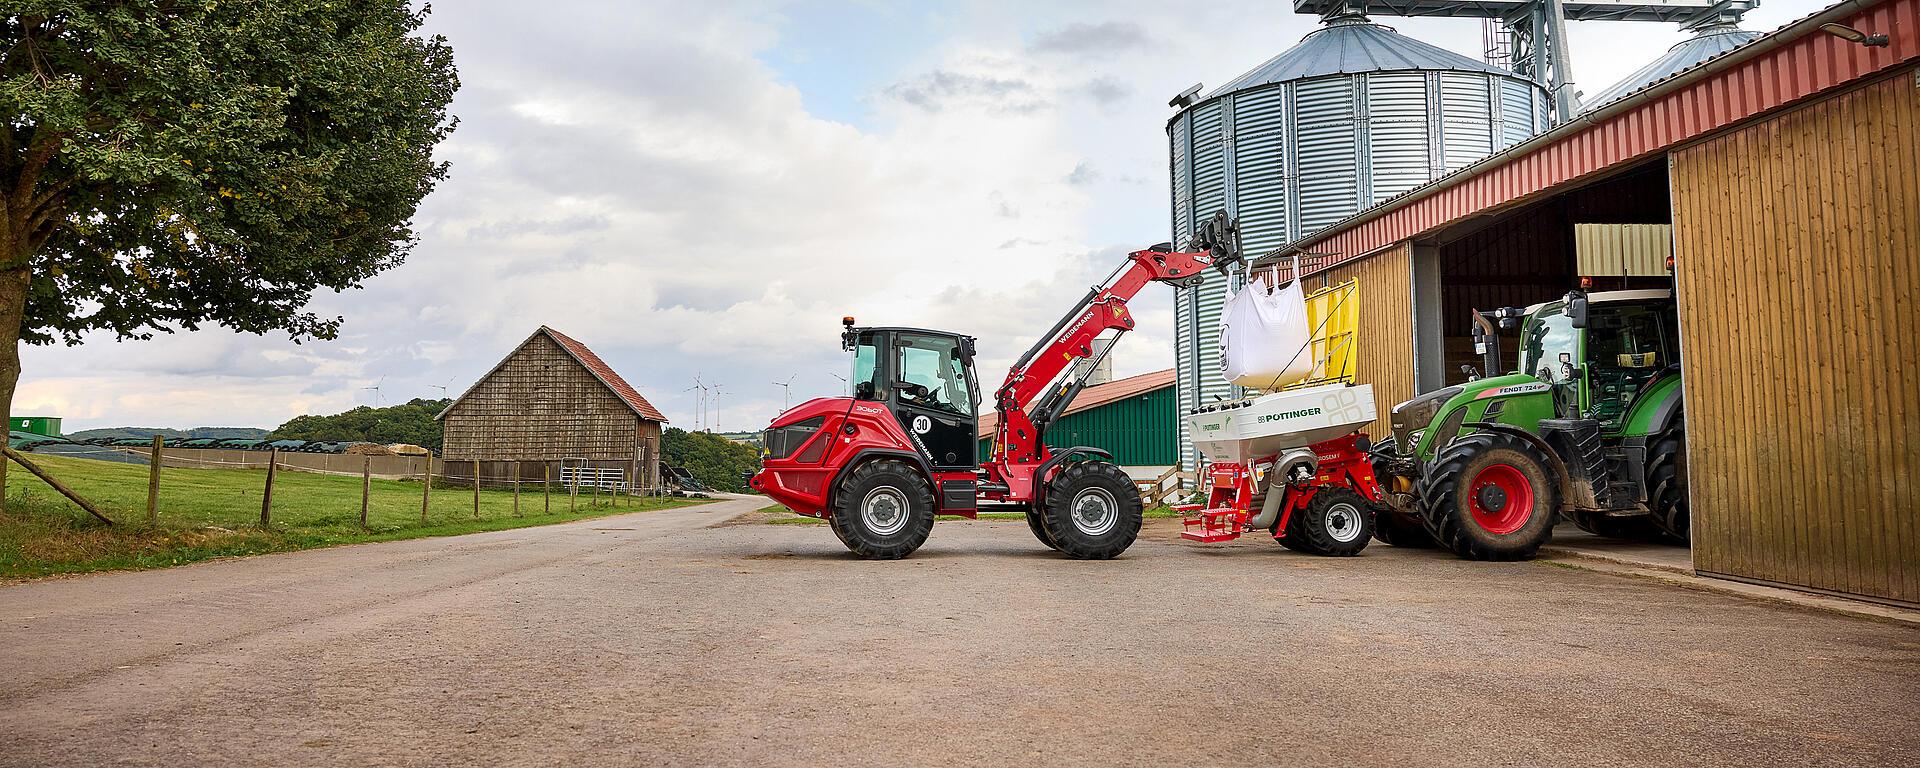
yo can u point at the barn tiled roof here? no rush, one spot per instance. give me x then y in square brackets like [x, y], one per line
[587, 359]
[1098, 395]
[606, 375]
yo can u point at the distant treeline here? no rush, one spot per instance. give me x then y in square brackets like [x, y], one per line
[243, 433]
[714, 460]
[410, 422]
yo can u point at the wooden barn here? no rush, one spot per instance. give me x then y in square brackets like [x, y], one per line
[552, 400]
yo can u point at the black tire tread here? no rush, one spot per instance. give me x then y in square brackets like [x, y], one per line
[1667, 483]
[1055, 513]
[1310, 537]
[844, 518]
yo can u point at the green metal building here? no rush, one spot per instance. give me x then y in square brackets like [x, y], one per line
[38, 425]
[1136, 418]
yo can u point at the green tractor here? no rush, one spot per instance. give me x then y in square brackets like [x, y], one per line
[1590, 426]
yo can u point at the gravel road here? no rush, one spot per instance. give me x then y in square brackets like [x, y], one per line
[663, 639]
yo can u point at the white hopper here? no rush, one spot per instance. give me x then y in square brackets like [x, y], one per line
[1240, 431]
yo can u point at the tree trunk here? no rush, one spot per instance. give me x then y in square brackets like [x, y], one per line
[13, 307]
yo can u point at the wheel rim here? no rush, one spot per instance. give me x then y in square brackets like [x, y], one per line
[1094, 512]
[884, 510]
[1342, 522]
[1501, 499]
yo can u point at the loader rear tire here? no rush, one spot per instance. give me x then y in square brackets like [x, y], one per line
[1336, 523]
[1491, 496]
[1092, 511]
[1667, 483]
[884, 510]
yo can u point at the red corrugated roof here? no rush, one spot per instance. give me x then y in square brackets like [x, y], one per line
[605, 374]
[592, 362]
[1098, 395]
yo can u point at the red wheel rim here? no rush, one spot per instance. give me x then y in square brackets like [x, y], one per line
[1501, 499]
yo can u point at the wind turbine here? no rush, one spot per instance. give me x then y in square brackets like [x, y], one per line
[786, 392]
[441, 387]
[377, 402]
[713, 424]
[700, 402]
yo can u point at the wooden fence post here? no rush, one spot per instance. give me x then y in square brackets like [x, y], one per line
[633, 475]
[426, 489]
[366, 487]
[573, 489]
[546, 486]
[476, 489]
[516, 488]
[153, 481]
[596, 483]
[266, 496]
[10, 453]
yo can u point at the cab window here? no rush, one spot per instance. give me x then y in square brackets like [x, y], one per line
[1549, 343]
[1626, 345]
[865, 380]
[935, 376]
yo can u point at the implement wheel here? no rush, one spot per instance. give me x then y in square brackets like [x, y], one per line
[884, 510]
[1491, 496]
[1092, 511]
[1336, 523]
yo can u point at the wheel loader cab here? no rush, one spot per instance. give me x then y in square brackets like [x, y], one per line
[925, 378]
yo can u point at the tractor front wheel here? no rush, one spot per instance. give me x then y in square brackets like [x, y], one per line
[1491, 496]
[884, 510]
[1335, 523]
[1092, 511]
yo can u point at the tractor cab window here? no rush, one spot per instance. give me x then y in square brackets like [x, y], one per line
[1550, 346]
[865, 380]
[1626, 345]
[931, 374]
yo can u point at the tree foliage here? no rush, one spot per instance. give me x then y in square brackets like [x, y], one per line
[713, 460]
[409, 422]
[169, 163]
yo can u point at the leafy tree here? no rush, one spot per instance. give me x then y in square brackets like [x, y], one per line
[172, 163]
[409, 422]
[713, 460]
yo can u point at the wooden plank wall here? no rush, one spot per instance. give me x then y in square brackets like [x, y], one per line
[1797, 241]
[1384, 345]
[542, 404]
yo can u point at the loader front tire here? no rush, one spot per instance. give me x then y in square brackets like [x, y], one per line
[884, 510]
[1092, 511]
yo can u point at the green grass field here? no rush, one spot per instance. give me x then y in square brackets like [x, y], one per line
[208, 513]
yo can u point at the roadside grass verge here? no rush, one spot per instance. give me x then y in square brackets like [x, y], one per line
[209, 513]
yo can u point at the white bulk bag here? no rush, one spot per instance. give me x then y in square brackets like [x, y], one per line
[1263, 337]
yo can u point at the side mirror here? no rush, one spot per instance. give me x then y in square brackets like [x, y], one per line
[1472, 374]
[1577, 310]
[863, 390]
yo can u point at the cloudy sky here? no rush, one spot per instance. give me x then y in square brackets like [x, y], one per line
[706, 188]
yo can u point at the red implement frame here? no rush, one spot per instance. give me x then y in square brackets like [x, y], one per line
[1343, 464]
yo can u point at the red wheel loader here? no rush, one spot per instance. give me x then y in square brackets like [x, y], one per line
[878, 465]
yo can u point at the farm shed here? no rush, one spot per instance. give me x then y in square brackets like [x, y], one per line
[552, 400]
[1135, 418]
[1779, 176]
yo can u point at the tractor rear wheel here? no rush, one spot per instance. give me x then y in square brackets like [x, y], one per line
[1491, 496]
[1399, 530]
[1667, 482]
[1092, 511]
[1335, 523]
[884, 510]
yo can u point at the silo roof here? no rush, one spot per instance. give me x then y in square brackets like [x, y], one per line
[1350, 45]
[1709, 43]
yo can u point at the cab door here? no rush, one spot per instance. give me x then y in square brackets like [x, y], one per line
[934, 398]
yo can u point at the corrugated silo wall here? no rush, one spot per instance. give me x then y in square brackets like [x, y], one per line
[1291, 158]
[1383, 347]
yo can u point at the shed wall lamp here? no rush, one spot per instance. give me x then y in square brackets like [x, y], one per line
[1851, 35]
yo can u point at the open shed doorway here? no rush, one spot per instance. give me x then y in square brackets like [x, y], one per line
[1518, 258]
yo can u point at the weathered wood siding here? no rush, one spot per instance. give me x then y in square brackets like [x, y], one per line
[1384, 347]
[541, 404]
[1797, 241]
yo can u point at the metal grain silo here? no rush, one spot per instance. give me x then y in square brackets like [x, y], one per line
[1352, 115]
[1706, 43]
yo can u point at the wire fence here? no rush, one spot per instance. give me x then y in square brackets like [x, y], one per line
[602, 482]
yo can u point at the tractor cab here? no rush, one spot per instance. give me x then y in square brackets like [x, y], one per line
[925, 379]
[1600, 351]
